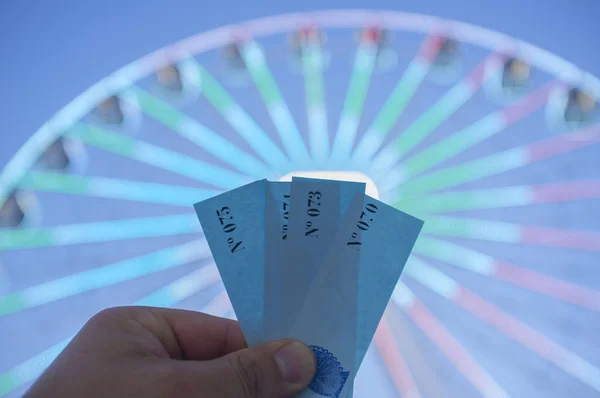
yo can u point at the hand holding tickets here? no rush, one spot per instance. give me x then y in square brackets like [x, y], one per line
[314, 260]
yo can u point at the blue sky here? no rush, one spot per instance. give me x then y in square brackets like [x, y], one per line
[52, 51]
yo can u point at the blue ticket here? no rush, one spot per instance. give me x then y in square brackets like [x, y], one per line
[328, 317]
[316, 210]
[386, 239]
[277, 212]
[233, 224]
[315, 260]
[382, 239]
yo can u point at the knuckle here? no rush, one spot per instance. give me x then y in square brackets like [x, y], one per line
[118, 313]
[106, 315]
[109, 318]
[249, 375]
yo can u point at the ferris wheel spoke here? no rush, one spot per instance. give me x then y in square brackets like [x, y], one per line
[103, 276]
[483, 264]
[158, 157]
[463, 139]
[28, 371]
[114, 188]
[432, 118]
[276, 105]
[398, 100]
[202, 136]
[364, 63]
[394, 362]
[496, 231]
[168, 296]
[412, 180]
[187, 286]
[494, 198]
[94, 232]
[219, 306]
[404, 298]
[239, 119]
[312, 62]
[528, 337]
[493, 164]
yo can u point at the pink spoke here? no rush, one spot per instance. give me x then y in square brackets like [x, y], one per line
[528, 104]
[447, 344]
[497, 231]
[497, 163]
[566, 191]
[564, 143]
[548, 285]
[528, 337]
[555, 237]
[395, 363]
[489, 266]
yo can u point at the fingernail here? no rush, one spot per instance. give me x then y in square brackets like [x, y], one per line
[296, 363]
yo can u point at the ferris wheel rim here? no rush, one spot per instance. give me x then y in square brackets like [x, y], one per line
[33, 147]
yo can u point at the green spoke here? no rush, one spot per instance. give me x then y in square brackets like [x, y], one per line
[364, 64]
[473, 229]
[239, 119]
[157, 156]
[276, 105]
[200, 135]
[464, 172]
[431, 119]
[396, 103]
[495, 198]
[469, 200]
[452, 145]
[476, 132]
[104, 231]
[312, 61]
[489, 165]
[115, 188]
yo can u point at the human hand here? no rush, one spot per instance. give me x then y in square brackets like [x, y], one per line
[159, 353]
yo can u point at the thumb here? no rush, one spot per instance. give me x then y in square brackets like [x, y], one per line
[277, 369]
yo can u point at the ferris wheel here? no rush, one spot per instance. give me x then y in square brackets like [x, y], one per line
[490, 140]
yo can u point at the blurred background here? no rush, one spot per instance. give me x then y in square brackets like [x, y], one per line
[54, 51]
[502, 297]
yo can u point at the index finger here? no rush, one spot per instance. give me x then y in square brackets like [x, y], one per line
[197, 336]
